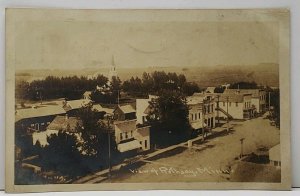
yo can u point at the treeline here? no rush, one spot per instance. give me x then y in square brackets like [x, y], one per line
[73, 87]
[157, 81]
[55, 87]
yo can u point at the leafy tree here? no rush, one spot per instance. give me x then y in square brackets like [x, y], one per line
[244, 85]
[62, 155]
[190, 88]
[219, 89]
[169, 118]
[95, 135]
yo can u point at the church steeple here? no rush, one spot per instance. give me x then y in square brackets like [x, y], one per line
[112, 71]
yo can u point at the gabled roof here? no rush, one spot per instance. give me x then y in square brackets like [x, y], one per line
[126, 125]
[76, 104]
[142, 105]
[126, 109]
[99, 108]
[274, 153]
[39, 111]
[193, 100]
[87, 93]
[64, 123]
[210, 89]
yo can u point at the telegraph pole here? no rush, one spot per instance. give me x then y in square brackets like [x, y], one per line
[269, 102]
[227, 98]
[242, 142]
[109, 153]
[203, 117]
[218, 96]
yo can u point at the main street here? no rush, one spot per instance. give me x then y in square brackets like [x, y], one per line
[204, 161]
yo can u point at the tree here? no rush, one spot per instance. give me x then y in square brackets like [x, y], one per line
[190, 88]
[244, 85]
[94, 135]
[169, 118]
[62, 155]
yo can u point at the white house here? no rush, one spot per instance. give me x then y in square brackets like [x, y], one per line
[142, 109]
[258, 97]
[129, 137]
[238, 105]
[274, 156]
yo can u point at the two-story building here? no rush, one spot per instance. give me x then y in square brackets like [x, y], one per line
[201, 111]
[235, 105]
[143, 109]
[258, 97]
[129, 137]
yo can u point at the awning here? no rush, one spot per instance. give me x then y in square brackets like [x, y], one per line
[197, 125]
[129, 146]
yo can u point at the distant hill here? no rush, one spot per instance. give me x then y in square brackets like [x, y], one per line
[264, 73]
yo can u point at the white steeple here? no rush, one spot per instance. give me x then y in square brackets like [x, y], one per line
[112, 72]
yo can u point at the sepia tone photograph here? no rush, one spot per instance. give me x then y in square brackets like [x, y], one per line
[149, 99]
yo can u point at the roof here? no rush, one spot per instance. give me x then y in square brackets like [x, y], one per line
[235, 98]
[142, 105]
[126, 109]
[76, 104]
[64, 123]
[193, 100]
[131, 145]
[126, 125]
[39, 111]
[274, 153]
[87, 93]
[99, 108]
[210, 89]
[253, 92]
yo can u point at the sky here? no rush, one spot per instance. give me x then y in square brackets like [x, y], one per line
[78, 44]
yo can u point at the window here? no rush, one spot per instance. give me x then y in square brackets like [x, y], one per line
[212, 107]
[121, 136]
[236, 104]
[192, 117]
[208, 109]
[195, 116]
[146, 144]
[144, 119]
[126, 135]
[131, 133]
[199, 115]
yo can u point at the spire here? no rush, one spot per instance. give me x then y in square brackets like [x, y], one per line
[113, 61]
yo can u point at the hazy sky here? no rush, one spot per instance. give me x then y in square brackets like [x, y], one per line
[78, 44]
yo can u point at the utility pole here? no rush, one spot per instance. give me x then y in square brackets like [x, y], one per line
[218, 96]
[109, 153]
[242, 142]
[227, 98]
[203, 117]
[269, 102]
